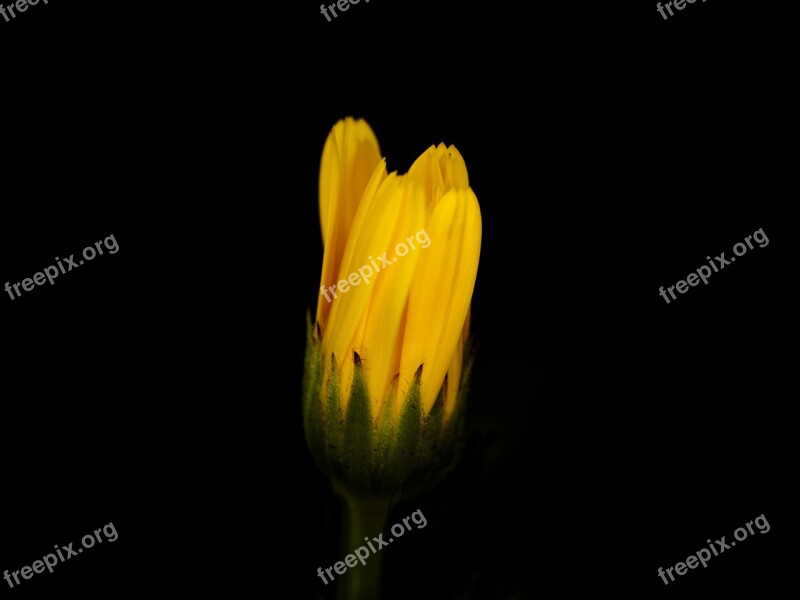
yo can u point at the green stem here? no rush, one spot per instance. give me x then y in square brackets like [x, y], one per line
[362, 518]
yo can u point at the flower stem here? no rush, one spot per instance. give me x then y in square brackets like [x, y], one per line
[362, 518]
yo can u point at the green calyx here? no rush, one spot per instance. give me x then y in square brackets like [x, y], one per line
[376, 454]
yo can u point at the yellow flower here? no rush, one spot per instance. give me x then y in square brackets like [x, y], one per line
[400, 261]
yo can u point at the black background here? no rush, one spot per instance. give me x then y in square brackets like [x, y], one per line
[610, 433]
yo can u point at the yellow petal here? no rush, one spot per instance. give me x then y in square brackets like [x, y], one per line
[440, 292]
[349, 159]
[440, 169]
[453, 380]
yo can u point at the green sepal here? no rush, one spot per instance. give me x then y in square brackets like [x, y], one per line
[378, 455]
[312, 407]
[384, 438]
[430, 446]
[358, 432]
[334, 426]
[402, 455]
